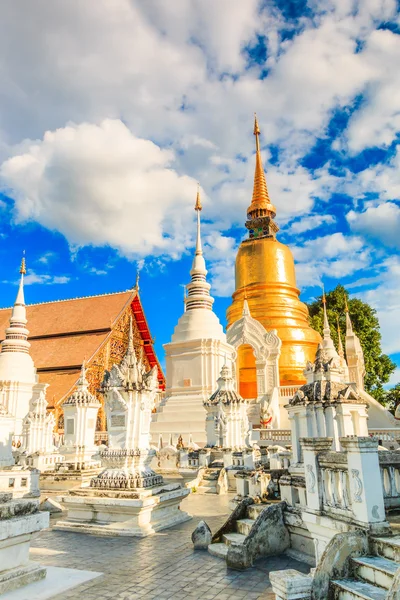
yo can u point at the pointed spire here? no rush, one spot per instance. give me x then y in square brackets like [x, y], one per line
[349, 325]
[17, 334]
[83, 383]
[137, 280]
[327, 343]
[198, 208]
[198, 205]
[198, 290]
[327, 329]
[260, 205]
[340, 344]
[246, 309]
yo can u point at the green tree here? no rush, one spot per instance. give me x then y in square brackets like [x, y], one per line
[393, 398]
[378, 366]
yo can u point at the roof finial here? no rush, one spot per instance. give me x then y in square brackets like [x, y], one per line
[82, 381]
[198, 205]
[349, 325]
[137, 280]
[257, 132]
[327, 329]
[340, 345]
[22, 269]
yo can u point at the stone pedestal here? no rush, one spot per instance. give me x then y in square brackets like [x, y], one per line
[19, 520]
[136, 513]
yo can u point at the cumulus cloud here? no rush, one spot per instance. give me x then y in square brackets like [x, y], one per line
[33, 278]
[101, 185]
[380, 222]
[335, 256]
[385, 298]
[310, 223]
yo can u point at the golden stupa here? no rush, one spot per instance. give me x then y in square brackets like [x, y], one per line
[265, 275]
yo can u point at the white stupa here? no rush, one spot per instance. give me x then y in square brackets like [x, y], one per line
[17, 370]
[194, 359]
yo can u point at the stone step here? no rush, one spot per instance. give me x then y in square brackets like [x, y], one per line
[353, 589]
[220, 550]
[209, 483]
[375, 569]
[388, 547]
[244, 526]
[176, 416]
[206, 490]
[254, 510]
[233, 538]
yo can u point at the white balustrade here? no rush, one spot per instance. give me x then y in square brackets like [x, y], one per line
[390, 474]
[275, 435]
[288, 391]
[387, 437]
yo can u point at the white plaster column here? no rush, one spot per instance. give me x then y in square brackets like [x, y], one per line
[312, 447]
[365, 482]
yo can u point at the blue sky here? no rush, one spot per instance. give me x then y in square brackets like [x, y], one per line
[110, 116]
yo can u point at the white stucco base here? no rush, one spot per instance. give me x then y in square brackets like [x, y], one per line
[19, 520]
[123, 513]
[62, 481]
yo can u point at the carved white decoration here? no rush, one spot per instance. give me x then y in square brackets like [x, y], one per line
[266, 347]
[246, 330]
[358, 485]
[311, 480]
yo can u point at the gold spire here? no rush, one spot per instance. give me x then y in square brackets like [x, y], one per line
[22, 269]
[260, 204]
[198, 205]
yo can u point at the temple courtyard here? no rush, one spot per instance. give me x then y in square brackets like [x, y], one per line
[161, 566]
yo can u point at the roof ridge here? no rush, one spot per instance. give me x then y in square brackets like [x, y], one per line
[77, 298]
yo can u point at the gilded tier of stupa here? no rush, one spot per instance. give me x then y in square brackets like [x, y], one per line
[265, 275]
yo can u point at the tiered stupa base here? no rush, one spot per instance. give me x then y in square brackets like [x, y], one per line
[126, 499]
[180, 415]
[124, 513]
[19, 520]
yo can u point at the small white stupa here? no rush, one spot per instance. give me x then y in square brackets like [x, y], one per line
[228, 425]
[194, 359]
[127, 497]
[80, 413]
[17, 371]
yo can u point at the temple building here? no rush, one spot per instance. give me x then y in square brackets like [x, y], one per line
[63, 334]
[265, 275]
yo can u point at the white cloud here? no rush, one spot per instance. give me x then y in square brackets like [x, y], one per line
[381, 222]
[386, 300]
[335, 256]
[101, 185]
[310, 222]
[47, 257]
[32, 278]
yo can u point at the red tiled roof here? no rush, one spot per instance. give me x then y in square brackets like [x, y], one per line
[65, 333]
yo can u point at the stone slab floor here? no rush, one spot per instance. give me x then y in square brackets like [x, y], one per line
[161, 566]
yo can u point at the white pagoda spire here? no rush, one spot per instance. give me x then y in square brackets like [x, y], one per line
[16, 363]
[17, 334]
[327, 343]
[198, 290]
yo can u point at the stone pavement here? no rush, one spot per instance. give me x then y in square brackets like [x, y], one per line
[161, 566]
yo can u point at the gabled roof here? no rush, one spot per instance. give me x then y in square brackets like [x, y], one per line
[64, 333]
